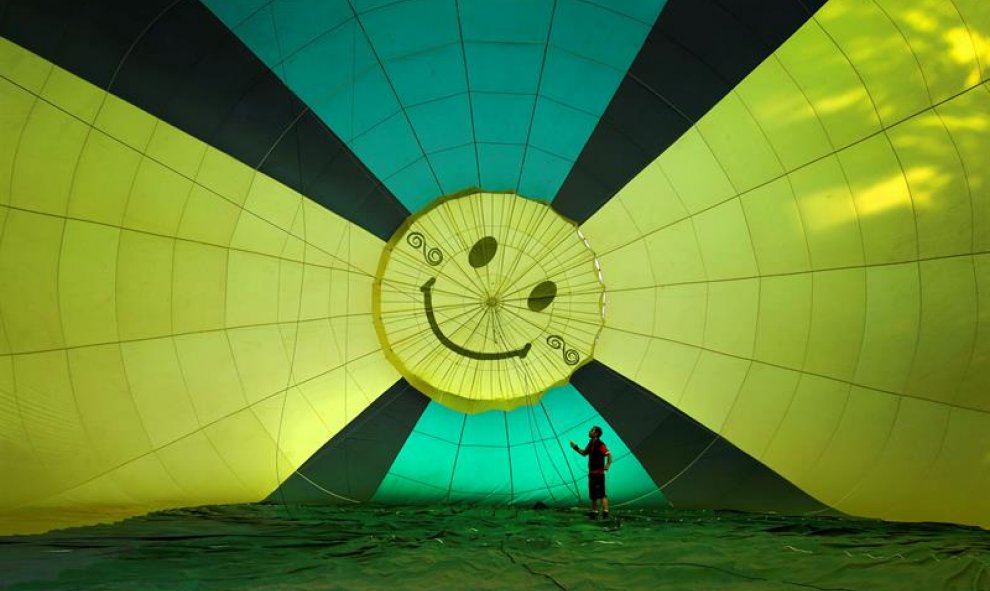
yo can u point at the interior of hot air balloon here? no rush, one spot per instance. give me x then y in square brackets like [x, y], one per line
[301, 264]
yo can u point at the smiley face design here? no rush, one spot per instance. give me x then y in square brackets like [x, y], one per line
[479, 256]
[486, 300]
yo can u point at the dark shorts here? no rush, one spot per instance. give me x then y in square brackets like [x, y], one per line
[596, 486]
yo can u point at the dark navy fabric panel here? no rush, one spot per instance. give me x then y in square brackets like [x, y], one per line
[353, 463]
[696, 53]
[694, 467]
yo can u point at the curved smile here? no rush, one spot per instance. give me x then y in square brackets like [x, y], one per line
[427, 290]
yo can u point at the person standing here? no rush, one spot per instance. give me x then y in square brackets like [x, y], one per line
[599, 461]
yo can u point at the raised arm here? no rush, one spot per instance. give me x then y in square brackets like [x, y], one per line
[583, 452]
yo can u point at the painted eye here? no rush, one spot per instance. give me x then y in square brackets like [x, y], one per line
[542, 296]
[483, 252]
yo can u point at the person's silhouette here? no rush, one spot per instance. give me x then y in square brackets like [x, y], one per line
[599, 461]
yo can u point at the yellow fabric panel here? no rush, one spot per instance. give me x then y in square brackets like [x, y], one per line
[932, 29]
[23, 68]
[906, 456]
[784, 319]
[262, 361]
[967, 120]
[831, 83]
[325, 233]
[315, 302]
[760, 406]
[976, 19]
[837, 320]
[300, 414]
[151, 290]
[29, 253]
[632, 310]
[680, 313]
[724, 241]
[273, 202]
[158, 390]
[730, 325]
[821, 299]
[199, 286]
[936, 180]
[87, 274]
[72, 94]
[776, 228]
[255, 235]
[883, 60]
[210, 476]
[51, 419]
[314, 347]
[828, 214]
[666, 365]
[124, 123]
[745, 156]
[290, 278]
[106, 409]
[650, 202]
[634, 345]
[246, 447]
[178, 151]
[208, 217]
[949, 309]
[686, 159]
[785, 115]
[974, 386]
[812, 414]
[97, 196]
[17, 107]
[857, 442]
[252, 295]
[210, 375]
[156, 199]
[47, 151]
[143, 288]
[713, 387]
[884, 205]
[964, 445]
[890, 327]
[673, 252]
[225, 176]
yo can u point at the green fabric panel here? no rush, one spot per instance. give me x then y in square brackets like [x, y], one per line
[520, 84]
[521, 456]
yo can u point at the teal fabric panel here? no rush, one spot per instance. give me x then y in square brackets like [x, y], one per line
[257, 33]
[457, 168]
[443, 124]
[505, 68]
[543, 171]
[429, 74]
[301, 22]
[500, 165]
[558, 128]
[407, 84]
[234, 12]
[411, 181]
[507, 21]
[645, 12]
[521, 456]
[501, 118]
[597, 32]
[389, 147]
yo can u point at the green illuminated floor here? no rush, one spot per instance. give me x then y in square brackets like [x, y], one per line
[266, 547]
